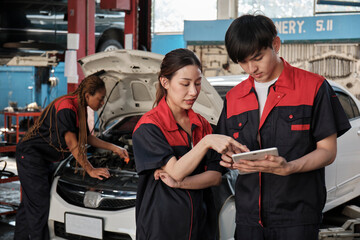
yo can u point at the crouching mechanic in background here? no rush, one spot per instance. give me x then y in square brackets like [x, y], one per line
[279, 106]
[61, 129]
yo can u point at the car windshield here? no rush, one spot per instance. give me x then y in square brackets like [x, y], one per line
[222, 90]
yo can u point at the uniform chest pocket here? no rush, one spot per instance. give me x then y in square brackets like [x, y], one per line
[236, 125]
[293, 127]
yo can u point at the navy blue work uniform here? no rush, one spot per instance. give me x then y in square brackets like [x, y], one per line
[162, 212]
[35, 163]
[301, 109]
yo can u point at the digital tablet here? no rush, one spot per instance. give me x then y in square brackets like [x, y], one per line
[254, 155]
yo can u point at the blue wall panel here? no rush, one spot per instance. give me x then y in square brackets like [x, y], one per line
[164, 43]
[15, 83]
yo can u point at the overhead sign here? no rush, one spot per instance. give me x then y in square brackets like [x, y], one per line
[338, 28]
[334, 28]
[355, 3]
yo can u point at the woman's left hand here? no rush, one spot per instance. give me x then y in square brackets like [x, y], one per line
[122, 152]
[99, 173]
[165, 177]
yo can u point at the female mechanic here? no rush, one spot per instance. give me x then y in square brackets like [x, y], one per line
[170, 143]
[60, 130]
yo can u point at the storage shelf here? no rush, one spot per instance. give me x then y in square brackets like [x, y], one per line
[8, 125]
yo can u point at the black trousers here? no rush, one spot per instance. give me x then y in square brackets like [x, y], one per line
[302, 232]
[35, 176]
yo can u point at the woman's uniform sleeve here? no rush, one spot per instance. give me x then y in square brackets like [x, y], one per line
[151, 149]
[66, 121]
[213, 162]
[212, 157]
[329, 116]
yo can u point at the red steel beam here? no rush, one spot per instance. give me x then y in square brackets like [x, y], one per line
[131, 24]
[81, 20]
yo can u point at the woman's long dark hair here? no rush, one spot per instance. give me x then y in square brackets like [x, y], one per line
[172, 62]
[90, 85]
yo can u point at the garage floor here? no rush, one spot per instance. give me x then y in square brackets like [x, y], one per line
[10, 194]
[6, 229]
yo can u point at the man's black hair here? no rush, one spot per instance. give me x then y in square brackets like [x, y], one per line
[248, 35]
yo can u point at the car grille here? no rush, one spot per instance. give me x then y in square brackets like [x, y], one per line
[74, 194]
[60, 232]
[117, 203]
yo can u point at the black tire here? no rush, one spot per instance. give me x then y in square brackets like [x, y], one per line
[110, 45]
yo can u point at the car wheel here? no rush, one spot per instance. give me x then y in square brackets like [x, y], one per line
[110, 45]
[225, 205]
[227, 219]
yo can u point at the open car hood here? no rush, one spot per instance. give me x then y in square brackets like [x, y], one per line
[131, 77]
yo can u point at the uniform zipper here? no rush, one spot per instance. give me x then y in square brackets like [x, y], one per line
[190, 144]
[260, 175]
[192, 214]
[191, 203]
[260, 220]
[259, 140]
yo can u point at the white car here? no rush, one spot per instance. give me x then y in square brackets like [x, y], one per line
[86, 208]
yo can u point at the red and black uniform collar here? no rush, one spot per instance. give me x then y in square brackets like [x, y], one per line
[285, 80]
[164, 112]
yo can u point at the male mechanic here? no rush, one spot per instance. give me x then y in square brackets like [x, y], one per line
[280, 106]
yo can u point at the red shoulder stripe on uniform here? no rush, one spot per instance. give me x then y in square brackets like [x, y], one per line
[174, 138]
[240, 99]
[307, 86]
[146, 118]
[241, 105]
[69, 102]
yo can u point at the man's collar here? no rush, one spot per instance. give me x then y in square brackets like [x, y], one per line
[285, 80]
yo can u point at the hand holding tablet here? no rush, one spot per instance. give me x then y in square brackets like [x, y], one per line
[254, 155]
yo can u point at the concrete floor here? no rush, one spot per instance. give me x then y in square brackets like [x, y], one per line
[6, 227]
[9, 193]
